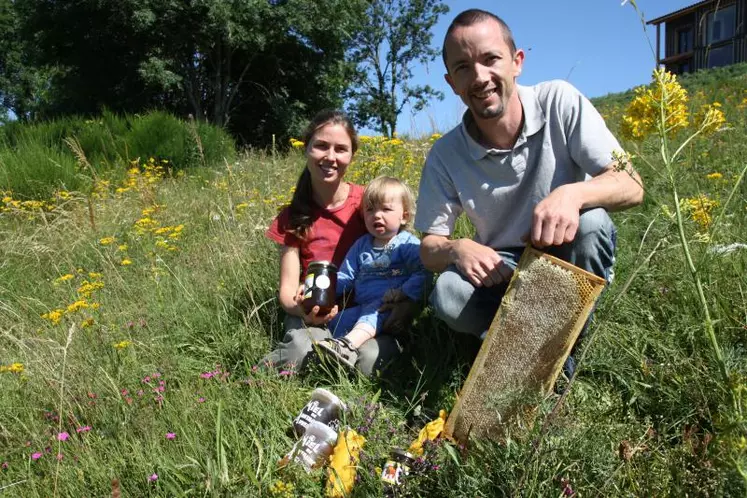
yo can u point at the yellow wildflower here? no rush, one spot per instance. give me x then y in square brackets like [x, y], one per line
[296, 144]
[106, 241]
[86, 323]
[87, 288]
[711, 118]
[281, 489]
[162, 244]
[126, 262]
[122, 247]
[93, 274]
[95, 306]
[15, 368]
[122, 345]
[700, 209]
[715, 176]
[77, 306]
[643, 115]
[54, 316]
[64, 278]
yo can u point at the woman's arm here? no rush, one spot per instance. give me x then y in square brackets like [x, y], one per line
[290, 276]
[291, 295]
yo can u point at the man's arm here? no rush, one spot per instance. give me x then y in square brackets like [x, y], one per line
[480, 264]
[555, 218]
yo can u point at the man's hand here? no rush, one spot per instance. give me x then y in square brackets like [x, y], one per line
[394, 296]
[555, 218]
[480, 264]
[403, 312]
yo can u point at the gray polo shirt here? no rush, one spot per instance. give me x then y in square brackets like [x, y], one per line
[564, 140]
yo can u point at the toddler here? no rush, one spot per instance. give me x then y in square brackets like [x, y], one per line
[382, 266]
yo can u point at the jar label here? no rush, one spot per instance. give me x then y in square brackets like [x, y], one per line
[322, 282]
[308, 285]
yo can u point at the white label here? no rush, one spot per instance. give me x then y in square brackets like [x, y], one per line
[322, 281]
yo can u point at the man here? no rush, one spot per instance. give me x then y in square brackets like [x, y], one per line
[526, 164]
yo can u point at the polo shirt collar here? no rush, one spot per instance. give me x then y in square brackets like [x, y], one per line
[534, 121]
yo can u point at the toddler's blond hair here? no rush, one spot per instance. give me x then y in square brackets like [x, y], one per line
[383, 188]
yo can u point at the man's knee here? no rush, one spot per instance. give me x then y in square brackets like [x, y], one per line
[593, 248]
[595, 223]
[448, 297]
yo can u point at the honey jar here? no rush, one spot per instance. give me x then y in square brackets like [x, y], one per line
[319, 287]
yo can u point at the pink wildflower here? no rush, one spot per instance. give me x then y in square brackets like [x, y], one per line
[85, 428]
[170, 435]
[63, 436]
[200, 399]
[60, 456]
[36, 456]
[285, 373]
[4, 465]
[153, 477]
[206, 375]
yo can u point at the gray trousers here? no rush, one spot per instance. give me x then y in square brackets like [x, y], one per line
[373, 356]
[470, 310]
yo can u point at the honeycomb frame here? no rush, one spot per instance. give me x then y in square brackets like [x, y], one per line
[543, 311]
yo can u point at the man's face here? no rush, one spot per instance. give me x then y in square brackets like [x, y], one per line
[481, 69]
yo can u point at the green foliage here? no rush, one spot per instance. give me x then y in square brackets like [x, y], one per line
[396, 35]
[34, 170]
[253, 68]
[184, 144]
[35, 158]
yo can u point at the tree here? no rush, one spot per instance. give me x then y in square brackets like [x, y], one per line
[397, 35]
[256, 68]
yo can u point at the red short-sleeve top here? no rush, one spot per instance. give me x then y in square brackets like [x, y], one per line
[332, 233]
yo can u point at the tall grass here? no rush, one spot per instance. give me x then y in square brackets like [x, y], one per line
[35, 159]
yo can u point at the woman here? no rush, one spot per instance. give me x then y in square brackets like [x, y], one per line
[322, 223]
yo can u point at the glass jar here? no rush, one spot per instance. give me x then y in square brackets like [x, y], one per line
[319, 287]
[323, 407]
[314, 448]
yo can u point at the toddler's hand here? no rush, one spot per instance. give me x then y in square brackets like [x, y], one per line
[394, 296]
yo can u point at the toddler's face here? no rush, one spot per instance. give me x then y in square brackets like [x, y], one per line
[384, 220]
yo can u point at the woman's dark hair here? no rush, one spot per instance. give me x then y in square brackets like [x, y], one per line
[300, 208]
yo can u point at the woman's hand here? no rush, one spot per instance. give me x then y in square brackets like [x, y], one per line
[312, 318]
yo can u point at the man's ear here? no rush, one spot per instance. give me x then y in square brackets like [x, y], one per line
[448, 79]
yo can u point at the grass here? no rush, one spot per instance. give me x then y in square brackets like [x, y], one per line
[170, 342]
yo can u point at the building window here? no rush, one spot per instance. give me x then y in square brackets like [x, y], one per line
[684, 40]
[684, 67]
[720, 24]
[721, 56]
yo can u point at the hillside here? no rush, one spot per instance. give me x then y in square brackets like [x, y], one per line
[136, 299]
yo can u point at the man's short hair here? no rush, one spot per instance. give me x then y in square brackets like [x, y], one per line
[474, 16]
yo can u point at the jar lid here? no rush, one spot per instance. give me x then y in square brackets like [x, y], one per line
[323, 264]
[401, 454]
[320, 392]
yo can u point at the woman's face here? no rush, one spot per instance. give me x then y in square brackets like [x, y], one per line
[328, 154]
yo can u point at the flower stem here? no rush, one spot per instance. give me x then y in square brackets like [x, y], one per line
[707, 321]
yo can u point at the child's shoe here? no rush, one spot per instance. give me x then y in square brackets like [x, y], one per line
[341, 350]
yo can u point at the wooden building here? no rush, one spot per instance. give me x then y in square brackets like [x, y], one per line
[705, 34]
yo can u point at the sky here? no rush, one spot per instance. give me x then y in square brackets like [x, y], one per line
[597, 45]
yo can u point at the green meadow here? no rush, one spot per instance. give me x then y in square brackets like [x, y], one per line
[138, 293]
